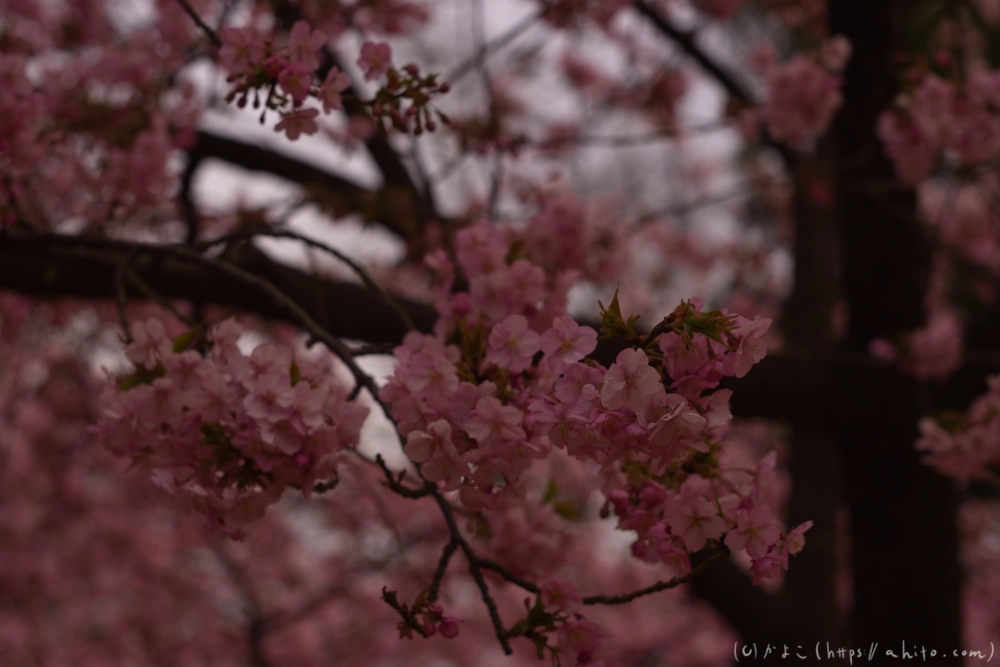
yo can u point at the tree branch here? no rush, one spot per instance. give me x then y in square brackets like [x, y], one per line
[658, 586]
[686, 40]
[399, 208]
[51, 265]
[735, 89]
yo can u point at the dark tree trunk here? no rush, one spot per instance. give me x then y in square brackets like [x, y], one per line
[907, 582]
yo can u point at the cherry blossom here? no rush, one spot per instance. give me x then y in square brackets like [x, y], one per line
[567, 341]
[512, 344]
[630, 382]
[305, 43]
[296, 80]
[334, 84]
[375, 60]
[242, 48]
[754, 532]
[297, 123]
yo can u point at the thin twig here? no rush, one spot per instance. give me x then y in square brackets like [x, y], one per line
[368, 281]
[442, 567]
[487, 564]
[498, 43]
[281, 299]
[686, 40]
[658, 586]
[476, 572]
[396, 483]
[281, 620]
[212, 35]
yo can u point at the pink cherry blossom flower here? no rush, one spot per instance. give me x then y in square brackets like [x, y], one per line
[375, 60]
[335, 83]
[271, 399]
[303, 45]
[241, 49]
[149, 342]
[559, 595]
[752, 347]
[754, 532]
[581, 639]
[696, 521]
[795, 541]
[835, 53]
[492, 421]
[567, 341]
[716, 408]
[630, 382]
[421, 446]
[767, 567]
[512, 344]
[431, 373]
[802, 99]
[912, 152]
[674, 556]
[297, 123]
[296, 80]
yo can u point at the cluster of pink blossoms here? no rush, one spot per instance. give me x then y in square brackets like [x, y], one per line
[257, 65]
[933, 351]
[504, 382]
[803, 92]
[964, 218]
[966, 446]
[956, 122]
[227, 434]
[252, 58]
[675, 523]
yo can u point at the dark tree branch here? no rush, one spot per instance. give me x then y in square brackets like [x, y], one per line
[442, 567]
[399, 208]
[365, 277]
[52, 265]
[659, 586]
[211, 34]
[732, 86]
[686, 41]
[792, 386]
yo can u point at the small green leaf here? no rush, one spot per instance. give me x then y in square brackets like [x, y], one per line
[183, 341]
[550, 492]
[518, 629]
[142, 375]
[568, 510]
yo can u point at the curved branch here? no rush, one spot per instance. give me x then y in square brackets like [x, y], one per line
[658, 586]
[52, 265]
[686, 40]
[398, 207]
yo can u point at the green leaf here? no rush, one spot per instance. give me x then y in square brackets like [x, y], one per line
[568, 510]
[294, 372]
[550, 492]
[183, 341]
[952, 421]
[518, 629]
[142, 375]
